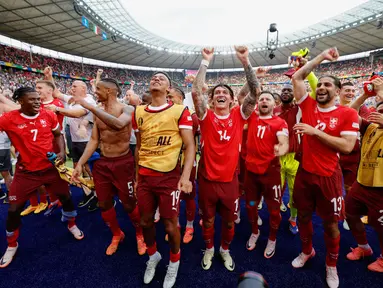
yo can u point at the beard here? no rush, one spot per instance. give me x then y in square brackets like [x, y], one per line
[287, 101]
[265, 111]
[326, 100]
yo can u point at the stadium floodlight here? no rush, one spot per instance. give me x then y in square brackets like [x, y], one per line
[347, 26]
[272, 39]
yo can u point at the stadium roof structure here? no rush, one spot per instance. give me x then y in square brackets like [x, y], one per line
[57, 25]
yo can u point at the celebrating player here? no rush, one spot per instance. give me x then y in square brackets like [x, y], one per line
[365, 196]
[31, 131]
[114, 171]
[327, 130]
[221, 131]
[161, 128]
[267, 139]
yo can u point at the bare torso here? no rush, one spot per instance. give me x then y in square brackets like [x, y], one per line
[114, 143]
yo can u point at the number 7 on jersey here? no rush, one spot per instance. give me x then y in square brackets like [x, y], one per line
[34, 132]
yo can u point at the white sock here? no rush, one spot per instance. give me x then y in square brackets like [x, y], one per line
[155, 256]
[223, 250]
[366, 246]
[210, 249]
[255, 234]
[189, 224]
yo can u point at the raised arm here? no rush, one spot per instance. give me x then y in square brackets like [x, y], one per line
[241, 95]
[300, 76]
[199, 100]
[116, 123]
[252, 81]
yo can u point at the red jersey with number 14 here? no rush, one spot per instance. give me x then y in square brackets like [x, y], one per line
[221, 144]
[262, 136]
[32, 137]
[319, 158]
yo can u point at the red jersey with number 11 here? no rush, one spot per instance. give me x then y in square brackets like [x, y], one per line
[32, 137]
[221, 144]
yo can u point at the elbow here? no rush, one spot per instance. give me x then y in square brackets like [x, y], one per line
[347, 150]
[297, 77]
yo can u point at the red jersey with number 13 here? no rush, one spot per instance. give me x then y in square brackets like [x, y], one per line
[221, 144]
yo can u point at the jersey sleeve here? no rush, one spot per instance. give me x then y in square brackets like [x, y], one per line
[350, 123]
[185, 121]
[364, 112]
[283, 129]
[306, 102]
[54, 121]
[134, 123]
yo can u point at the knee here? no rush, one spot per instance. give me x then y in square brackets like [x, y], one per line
[208, 223]
[105, 205]
[128, 208]
[229, 225]
[331, 228]
[304, 217]
[171, 228]
[147, 222]
[275, 213]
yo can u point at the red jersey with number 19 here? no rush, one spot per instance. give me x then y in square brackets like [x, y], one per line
[32, 137]
[221, 144]
[319, 158]
[262, 136]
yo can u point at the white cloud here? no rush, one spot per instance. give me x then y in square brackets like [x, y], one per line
[221, 22]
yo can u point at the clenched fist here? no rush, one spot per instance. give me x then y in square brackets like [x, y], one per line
[331, 54]
[208, 53]
[242, 54]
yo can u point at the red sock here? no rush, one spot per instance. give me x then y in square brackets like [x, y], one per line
[208, 236]
[135, 218]
[332, 247]
[71, 222]
[306, 234]
[252, 214]
[52, 197]
[12, 238]
[360, 237]
[227, 237]
[275, 220]
[34, 201]
[43, 198]
[110, 219]
[151, 250]
[175, 257]
[190, 209]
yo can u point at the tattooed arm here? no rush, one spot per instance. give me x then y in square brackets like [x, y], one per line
[199, 100]
[300, 76]
[252, 81]
[242, 93]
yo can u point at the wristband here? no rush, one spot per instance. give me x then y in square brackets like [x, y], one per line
[205, 63]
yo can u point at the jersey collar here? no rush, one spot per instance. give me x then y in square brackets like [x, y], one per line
[29, 117]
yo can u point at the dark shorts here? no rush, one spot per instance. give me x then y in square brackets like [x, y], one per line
[267, 185]
[25, 183]
[221, 196]
[5, 160]
[159, 191]
[349, 177]
[78, 149]
[319, 193]
[190, 196]
[115, 176]
[362, 200]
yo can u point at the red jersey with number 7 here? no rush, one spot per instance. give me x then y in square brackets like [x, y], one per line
[262, 137]
[221, 143]
[32, 137]
[317, 157]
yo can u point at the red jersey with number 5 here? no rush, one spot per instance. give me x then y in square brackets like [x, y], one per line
[221, 143]
[32, 137]
[262, 136]
[319, 158]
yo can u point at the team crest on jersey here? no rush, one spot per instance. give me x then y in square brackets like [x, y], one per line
[43, 123]
[22, 126]
[230, 124]
[333, 122]
[140, 121]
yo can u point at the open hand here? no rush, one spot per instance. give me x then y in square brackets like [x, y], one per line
[77, 172]
[375, 117]
[303, 128]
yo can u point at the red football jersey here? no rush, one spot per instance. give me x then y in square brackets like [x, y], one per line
[262, 136]
[318, 158]
[57, 103]
[221, 144]
[31, 136]
[292, 114]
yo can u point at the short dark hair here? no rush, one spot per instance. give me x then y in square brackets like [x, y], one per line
[47, 82]
[347, 83]
[22, 91]
[336, 80]
[179, 90]
[164, 73]
[224, 86]
[266, 92]
[113, 81]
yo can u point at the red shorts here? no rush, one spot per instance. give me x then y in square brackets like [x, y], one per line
[115, 176]
[242, 173]
[319, 193]
[159, 191]
[268, 185]
[25, 183]
[218, 195]
[349, 177]
[362, 200]
[190, 196]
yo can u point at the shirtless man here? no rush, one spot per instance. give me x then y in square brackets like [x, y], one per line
[115, 169]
